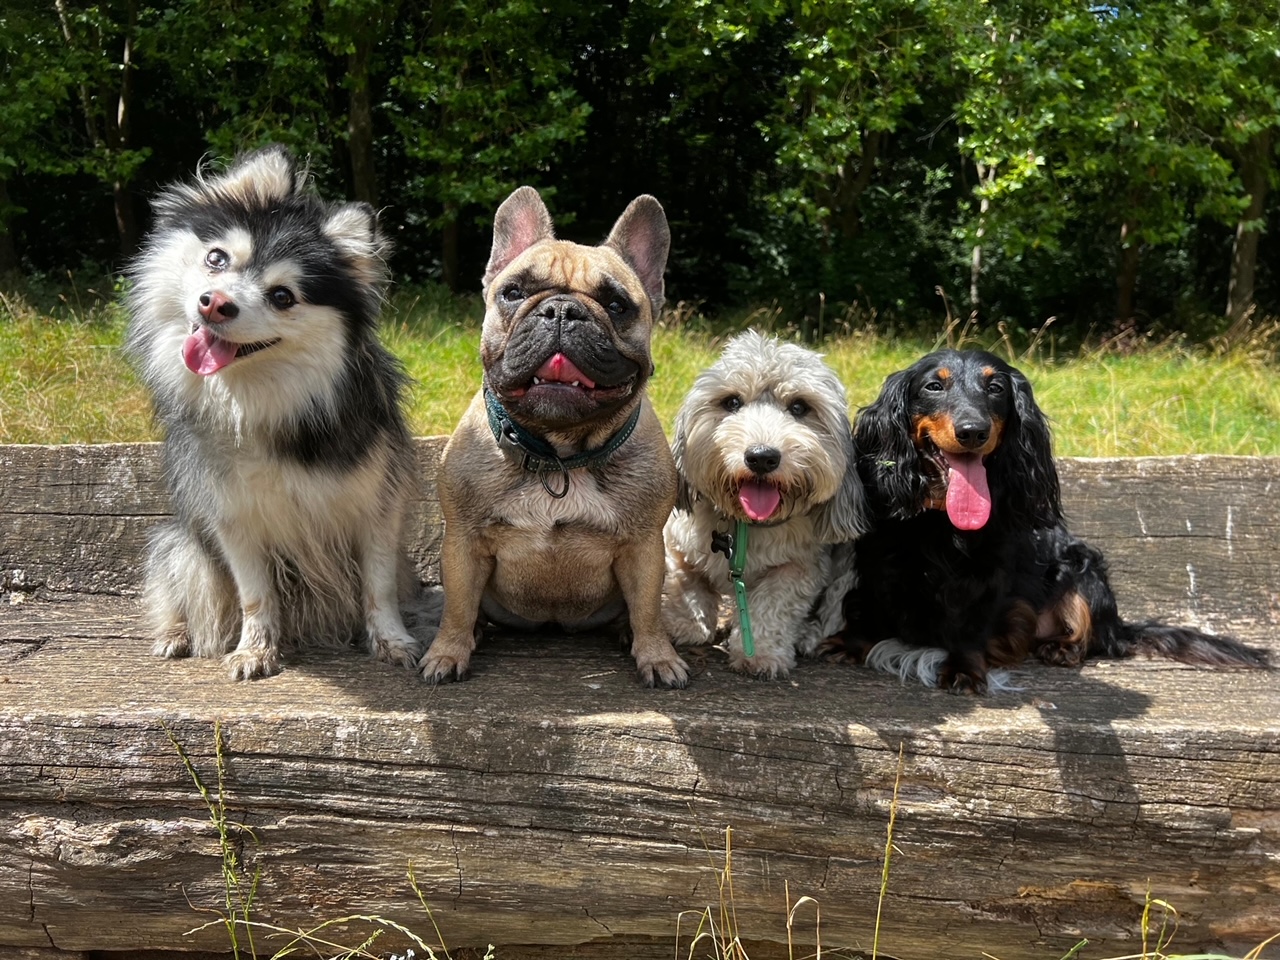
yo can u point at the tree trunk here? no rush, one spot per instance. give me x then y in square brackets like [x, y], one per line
[853, 185]
[449, 248]
[986, 176]
[364, 181]
[120, 134]
[1255, 172]
[1127, 278]
[112, 134]
[8, 250]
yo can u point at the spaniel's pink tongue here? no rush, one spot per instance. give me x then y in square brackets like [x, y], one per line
[203, 353]
[560, 369]
[759, 499]
[968, 497]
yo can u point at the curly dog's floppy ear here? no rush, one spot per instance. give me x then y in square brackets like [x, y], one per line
[844, 516]
[685, 494]
[1022, 472]
[887, 459]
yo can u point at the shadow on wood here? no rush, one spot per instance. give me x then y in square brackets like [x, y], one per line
[554, 807]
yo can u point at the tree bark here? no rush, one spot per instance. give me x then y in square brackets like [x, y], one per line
[853, 185]
[8, 250]
[112, 134]
[1127, 277]
[986, 176]
[364, 180]
[449, 248]
[1255, 172]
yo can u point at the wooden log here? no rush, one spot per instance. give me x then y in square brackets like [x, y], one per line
[557, 809]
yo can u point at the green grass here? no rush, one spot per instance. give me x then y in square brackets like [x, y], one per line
[63, 379]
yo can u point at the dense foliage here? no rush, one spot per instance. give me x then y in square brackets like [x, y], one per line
[1019, 158]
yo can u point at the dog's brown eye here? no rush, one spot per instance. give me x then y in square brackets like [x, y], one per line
[732, 404]
[933, 386]
[995, 388]
[798, 408]
[281, 297]
[512, 293]
[217, 259]
[618, 306]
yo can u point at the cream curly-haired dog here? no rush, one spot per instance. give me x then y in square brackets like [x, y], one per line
[763, 437]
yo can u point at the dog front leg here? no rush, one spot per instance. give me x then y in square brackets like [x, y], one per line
[689, 603]
[638, 568]
[777, 604]
[258, 653]
[465, 572]
[380, 559]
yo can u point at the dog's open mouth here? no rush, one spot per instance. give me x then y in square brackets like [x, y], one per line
[205, 353]
[759, 499]
[967, 497]
[560, 375]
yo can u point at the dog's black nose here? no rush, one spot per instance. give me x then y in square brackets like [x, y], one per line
[561, 308]
[972, 434]
[761, 459]
[217, 307]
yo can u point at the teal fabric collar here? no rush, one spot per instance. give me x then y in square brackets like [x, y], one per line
[538, 456]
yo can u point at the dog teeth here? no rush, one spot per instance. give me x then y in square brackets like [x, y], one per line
[538, 381]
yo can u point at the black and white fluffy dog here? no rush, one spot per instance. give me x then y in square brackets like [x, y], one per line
[253, 310]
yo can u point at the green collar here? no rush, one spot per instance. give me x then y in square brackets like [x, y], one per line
[538, 456]
[734, 547]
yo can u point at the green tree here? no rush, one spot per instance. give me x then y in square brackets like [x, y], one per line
[484, 101]
[1090, 114]
[34, 82]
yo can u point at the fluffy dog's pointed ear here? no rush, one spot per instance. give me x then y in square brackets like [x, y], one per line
[843, 517]
[353, 227]
[643, 238]
[520, 222]
[261, 176]
[887, 458]
[684, 493]
[1022, 470]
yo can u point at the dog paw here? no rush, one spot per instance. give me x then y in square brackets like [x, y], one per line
[399, 650]
[963, 682]
[663, 670]
[173, 645]
[763, 666]
[443, 665]
[252, 663]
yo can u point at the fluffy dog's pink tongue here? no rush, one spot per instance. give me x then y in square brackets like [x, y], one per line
[560, 369]
[204, 353]
[759, 499]
[968, 497]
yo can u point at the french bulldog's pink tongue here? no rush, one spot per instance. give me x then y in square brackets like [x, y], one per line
[203, 353]
[968, 497]
[560, 369]
[759, 499]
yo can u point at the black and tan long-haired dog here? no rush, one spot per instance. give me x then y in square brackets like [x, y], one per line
[968, 552]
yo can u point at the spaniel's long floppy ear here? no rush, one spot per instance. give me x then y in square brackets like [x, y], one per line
[887, 458]
[1022, 472]
[844, 516]
[685, 494]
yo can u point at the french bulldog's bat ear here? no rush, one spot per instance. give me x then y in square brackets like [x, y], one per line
[642, 237]
[520, 222]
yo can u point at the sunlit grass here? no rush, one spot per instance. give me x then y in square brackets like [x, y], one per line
[63, 378]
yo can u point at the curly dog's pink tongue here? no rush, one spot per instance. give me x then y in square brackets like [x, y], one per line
[968, 498]
[560, 369]
[759, 499]
[204, 353]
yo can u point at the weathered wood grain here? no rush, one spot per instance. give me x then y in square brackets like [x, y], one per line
[554, 803]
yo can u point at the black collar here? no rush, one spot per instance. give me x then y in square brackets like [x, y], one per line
[538, 456]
